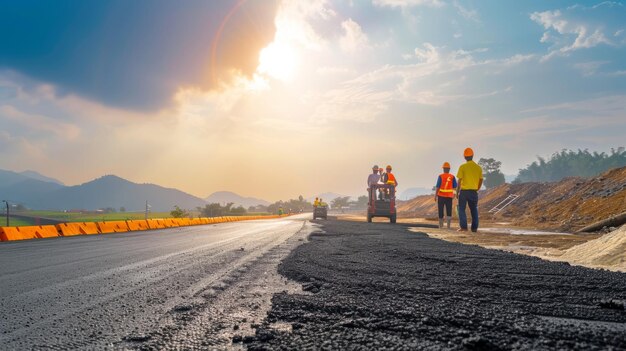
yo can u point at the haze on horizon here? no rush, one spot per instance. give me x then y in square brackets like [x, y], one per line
[273, 99]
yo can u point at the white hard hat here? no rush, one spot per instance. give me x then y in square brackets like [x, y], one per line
[375, 167]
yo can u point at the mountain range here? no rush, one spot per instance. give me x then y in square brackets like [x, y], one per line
[39, 192]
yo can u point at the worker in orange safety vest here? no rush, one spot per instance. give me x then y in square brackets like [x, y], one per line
[446, 183]
[390, 179]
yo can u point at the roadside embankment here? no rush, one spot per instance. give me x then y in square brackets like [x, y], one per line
[380, 286]
[567, 205]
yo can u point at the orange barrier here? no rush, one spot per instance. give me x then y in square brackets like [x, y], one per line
[83, 228]
[12, 233]
[28, 232]
[112, 227]
[77, 228]
[170, 222]
[137, 225]
[155, 223]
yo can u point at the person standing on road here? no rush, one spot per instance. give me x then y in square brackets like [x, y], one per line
[446, 183]
[373, 179]
[470, 180]
[383, 179]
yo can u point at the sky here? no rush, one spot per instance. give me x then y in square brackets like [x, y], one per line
[274, 99]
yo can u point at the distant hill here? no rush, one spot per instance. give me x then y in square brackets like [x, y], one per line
[108, 191]
[410, 193]
[19, 188]
[41, 177]
[113, 191]
[224, 197]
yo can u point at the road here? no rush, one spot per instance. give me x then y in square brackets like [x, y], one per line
[191, 287]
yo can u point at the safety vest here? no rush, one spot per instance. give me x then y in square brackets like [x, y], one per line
[391, 179]
[446, 188]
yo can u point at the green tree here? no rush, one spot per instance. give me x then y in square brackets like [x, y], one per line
[177, 212]
[122, 209]
[568, 163]
[340, 202]
[491, 171]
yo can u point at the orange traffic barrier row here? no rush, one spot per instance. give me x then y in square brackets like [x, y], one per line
[112, 227]
[88, 228]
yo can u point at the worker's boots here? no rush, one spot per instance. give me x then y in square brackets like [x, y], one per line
[441, 223]
[448, 219]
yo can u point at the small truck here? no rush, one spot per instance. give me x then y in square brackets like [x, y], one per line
[382, 206]
[320, 212]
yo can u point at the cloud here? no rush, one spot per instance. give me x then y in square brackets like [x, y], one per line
[579, 27]
[589, 68]
[134, 55]
[353, 38]
[407, 3]
[468, 14]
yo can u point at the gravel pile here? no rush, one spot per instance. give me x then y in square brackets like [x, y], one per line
[378, 286]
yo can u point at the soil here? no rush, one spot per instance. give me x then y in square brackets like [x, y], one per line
[381, 286]
[567, 205]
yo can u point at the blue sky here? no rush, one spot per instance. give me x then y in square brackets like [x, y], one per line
[317, 91]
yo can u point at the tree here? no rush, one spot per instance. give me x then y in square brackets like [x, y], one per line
[340, 202]
[361, 202]
[568, 163]
[177, 212]
[122, 209]
[492, 174]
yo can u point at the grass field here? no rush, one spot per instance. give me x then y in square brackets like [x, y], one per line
[16, 222]
[93, 217]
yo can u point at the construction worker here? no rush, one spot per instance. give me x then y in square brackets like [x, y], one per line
[322, 203]
[390, 179]
[280, 211]
[383, 179]
[470, 180]
[373, 179]
[316, 202]
[446, 183]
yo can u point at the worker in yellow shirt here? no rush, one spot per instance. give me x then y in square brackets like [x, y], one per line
[470, 180]
[316, 202]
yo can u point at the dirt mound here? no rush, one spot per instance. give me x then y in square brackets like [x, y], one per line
[566, 205]
[608, 251]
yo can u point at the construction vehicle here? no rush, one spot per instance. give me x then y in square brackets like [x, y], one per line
[320, 212]
[382, 208]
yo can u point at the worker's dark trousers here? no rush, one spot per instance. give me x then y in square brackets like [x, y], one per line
[468, 198]
[444, 202]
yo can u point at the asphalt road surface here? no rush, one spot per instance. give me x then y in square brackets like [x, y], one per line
[379, 286]
[192, 287]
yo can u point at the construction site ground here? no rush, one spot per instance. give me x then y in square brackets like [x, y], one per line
[607, 251]
[380, 286]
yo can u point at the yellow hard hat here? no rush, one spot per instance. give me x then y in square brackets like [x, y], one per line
[468, 152]
[446, 165]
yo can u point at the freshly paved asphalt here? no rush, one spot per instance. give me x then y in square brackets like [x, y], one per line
[135, 290]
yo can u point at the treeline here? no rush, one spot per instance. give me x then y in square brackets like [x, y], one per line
[568, 163]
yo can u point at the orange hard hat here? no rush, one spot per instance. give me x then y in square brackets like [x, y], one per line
[388, 167]
[446, 165]
[468, 152]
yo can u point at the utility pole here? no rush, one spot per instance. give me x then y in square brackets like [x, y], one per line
[5, 201]
[146, 209]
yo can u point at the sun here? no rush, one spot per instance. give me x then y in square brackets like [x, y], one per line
[278, 61]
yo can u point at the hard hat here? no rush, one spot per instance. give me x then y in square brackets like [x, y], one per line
[389, 167]
[375, 167]
[446, 165]
[468, 152]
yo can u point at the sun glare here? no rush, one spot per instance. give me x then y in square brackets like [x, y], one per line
[277, 61]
